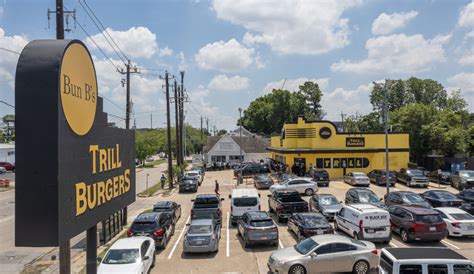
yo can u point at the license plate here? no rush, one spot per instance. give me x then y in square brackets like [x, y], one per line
[319, 232]
[432, 228]
[370, 231]
[198, 242]
[264, 238]
[470, 227]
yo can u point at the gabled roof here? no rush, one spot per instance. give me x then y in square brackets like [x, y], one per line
[249, 144]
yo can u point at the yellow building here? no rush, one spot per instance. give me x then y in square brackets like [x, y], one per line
[319, 144]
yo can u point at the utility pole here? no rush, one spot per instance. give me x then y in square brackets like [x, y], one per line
[168, 131]
[201, 128]
[151, 121]
[128, 107]
[59, 20]
[177, 122]
[207, 125]
[181, 120]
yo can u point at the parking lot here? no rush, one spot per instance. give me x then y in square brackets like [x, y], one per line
[232, 257]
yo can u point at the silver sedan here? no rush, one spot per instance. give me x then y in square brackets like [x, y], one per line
[202, 236]
[325, 253]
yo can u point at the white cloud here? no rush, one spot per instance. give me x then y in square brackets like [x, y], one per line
[467, 59]
[8, 60]
[290, 27]
[466, 16]
[223, 83]
[349, 101]
[463, 81]
[165, 52]
[136, 42]
[387, 23]
[294, 84]
[397, 54]
[228, 56]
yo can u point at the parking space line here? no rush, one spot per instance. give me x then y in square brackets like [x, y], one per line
[393, 245]
[448, 243]
[227, 251]
[179, 238]
[281, 245]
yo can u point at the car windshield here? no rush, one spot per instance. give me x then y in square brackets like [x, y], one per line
[412, 198]
[445, 195]
[192, 174]
[428, 219]
[261, 223]
[143, 226]
[200, 229]
[415, 172]
[358, 174]
[161, 209]
[313, 221]
[328, 200]
[121, 256]
[366, 197]
[206, 202]
[306, 246]
[466, 173]
[468, 194]
[462, 216]
[246, 201]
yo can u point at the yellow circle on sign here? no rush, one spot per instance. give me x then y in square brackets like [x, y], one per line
[78, 88]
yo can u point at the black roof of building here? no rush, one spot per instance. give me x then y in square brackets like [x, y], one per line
[424, 253]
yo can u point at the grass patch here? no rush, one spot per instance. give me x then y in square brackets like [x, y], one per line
[151, 190]
[153, 164]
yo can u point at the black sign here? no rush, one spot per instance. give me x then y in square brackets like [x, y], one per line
[325, 133]
[355, 142]
[342, 162]
[72, 170]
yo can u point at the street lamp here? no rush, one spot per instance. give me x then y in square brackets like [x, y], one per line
[241, 143]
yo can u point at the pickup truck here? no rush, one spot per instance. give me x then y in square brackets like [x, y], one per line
[286, 202]
[207, 206]
[412, 177]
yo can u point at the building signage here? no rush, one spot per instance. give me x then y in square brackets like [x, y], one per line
[355, 141]
[226, 145]
[342, 162]
[72, 170]
[325, 133]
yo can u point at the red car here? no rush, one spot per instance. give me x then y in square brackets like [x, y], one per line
[8, 166]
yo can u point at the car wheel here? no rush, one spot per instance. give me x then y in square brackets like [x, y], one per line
[404, 236]
[309, 192]
[297, 269]
[174, 228]
[356, 236]
[279, 219]
[153, 262]
[246, 243]
[269, 208]
[336, 227]
[165, 242]
[361, 267]
[300, 237]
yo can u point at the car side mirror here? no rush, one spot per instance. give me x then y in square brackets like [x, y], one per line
[192, 200]
[381, 199]
[230, 196]
[222, 199]
[146, 258]
[314, 255]
[269, 195]
[99, 259]
[259, 195]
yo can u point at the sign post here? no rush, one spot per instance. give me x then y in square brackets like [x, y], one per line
[72, 170]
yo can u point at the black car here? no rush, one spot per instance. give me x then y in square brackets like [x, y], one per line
[440, 177]
[305, 225]
[438, 198]
[207, 206]
[262, 181]
[326, 204]
[362, 196]
[186, 184]
[407, 198]
[169, 207]
[468, 197]
[321, 176]
[378, 177]
[156, 225]
[252, 169]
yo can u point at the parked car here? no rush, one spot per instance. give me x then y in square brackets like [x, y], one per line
[325, 253]
[362, 196]
[262, 181]
[301, 184]
[129, 255]
[412, 177]
[286, 202]
[414, 260]
[378, 177]
[2, 170]
[357, 179]
[257, 227]
[169, 207]
[305, 225]
[207, 206]
[8, 166]
[468, 197]
[417, 223]
[156, 225]
[459, 223]
[193, 178]
[440, 177]
[461, 179]
[187, 184]
[285, 176]
[243, 200]
[439, 198]
[407, 198]
[194, 175]
[202, 169]
[202, 236]
[251, 170]
[364, 222]
[326, 204]
[321, 176]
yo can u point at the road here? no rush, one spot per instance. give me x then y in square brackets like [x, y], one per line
[233, 257]
[13, 259]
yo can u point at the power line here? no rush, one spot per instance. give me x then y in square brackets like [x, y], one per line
[9, 50]
[110, 101]
[115, 116]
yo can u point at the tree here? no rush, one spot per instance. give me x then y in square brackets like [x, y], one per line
[221, 132]
[312, 94]
[365, 123]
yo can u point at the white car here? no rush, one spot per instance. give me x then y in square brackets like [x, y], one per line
[301, 184]
[195, 174]
[357, 179]
[2, 170]
[458, 222]
[129, 255]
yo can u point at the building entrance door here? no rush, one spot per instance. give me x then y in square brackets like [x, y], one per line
[300, 166]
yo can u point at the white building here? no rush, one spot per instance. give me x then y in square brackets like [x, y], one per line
[7, 153]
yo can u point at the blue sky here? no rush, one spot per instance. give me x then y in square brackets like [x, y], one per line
[235, 51]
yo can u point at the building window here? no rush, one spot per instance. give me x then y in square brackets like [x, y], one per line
[217, 158]
[236, 158]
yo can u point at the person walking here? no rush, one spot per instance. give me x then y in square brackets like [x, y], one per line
[216, 189]
[163, 181]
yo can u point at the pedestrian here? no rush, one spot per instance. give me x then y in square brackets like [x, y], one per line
[217, 188]
[311, 170]
[293, 169]
[163, 181]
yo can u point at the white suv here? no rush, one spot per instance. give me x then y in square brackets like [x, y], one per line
[301, 184]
